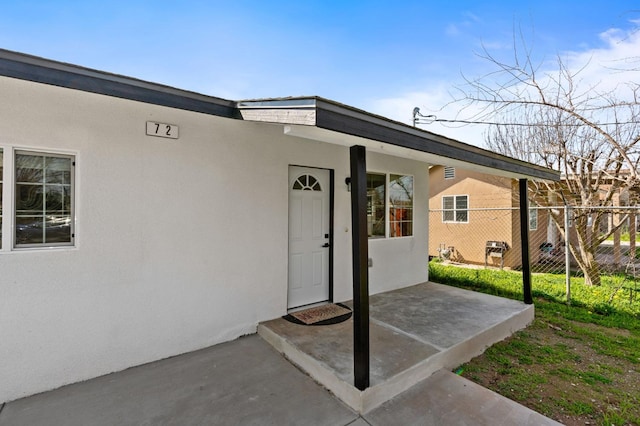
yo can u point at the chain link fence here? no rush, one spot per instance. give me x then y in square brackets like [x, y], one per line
[600, 241]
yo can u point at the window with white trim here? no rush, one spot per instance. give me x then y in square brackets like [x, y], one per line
[455, 208]
[389, 205]
[43, 202]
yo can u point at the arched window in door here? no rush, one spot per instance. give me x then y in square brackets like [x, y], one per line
[307, 183]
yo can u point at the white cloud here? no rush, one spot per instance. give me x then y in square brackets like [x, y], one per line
[452, 30]
[607, 67]
[492, 45]
[472, 17]
[455, 29]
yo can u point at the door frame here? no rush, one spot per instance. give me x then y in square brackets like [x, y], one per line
[331, 220]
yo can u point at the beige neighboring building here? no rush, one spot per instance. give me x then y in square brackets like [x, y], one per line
[460, 228]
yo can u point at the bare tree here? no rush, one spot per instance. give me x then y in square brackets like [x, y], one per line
[588, 131]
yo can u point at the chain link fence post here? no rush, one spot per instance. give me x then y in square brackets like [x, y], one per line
[567, 251]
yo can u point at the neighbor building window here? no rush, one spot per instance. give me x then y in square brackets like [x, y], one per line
[449, 172]
[44, 199]
[389, 205]
[455, 208]
[533, 219]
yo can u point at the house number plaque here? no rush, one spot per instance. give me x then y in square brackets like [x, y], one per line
[162, 130]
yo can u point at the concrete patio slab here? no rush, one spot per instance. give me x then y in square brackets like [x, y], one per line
[415, 331]
[333, 347]
[447, 399]
[442, 315]
[244, 382]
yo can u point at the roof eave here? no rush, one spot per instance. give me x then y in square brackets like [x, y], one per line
[40, 70]
[333, 116]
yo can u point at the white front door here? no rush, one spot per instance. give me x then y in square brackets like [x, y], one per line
[309, 209]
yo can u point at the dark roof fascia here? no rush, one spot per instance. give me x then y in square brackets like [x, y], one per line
[341, 118]
[40, 70]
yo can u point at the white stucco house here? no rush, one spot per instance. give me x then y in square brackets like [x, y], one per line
[140, 221]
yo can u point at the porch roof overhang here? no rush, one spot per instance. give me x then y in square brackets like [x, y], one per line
[328, 121]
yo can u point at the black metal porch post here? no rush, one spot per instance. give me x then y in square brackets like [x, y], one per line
[360, 254]
[524, 241]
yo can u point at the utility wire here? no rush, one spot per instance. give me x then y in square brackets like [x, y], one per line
[444, 120]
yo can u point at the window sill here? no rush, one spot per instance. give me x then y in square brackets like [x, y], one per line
[38, 249]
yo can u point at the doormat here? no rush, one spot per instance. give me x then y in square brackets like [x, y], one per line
[331, 313]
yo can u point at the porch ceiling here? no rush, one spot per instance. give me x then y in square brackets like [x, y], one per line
[327, 121]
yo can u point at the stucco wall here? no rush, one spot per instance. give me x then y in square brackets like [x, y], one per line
[180, 244]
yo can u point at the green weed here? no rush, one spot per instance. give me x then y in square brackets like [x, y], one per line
[593, 378]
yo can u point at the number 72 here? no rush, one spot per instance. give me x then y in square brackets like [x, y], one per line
[162, 129]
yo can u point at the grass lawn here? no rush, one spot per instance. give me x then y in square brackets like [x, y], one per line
[624, 236]
[578, 364]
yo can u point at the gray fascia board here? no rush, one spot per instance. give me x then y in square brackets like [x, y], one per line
[339, 118]
[39, 70]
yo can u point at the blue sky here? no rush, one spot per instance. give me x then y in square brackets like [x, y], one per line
[381, 56]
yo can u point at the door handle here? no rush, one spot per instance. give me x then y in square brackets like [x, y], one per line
[326, 245]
